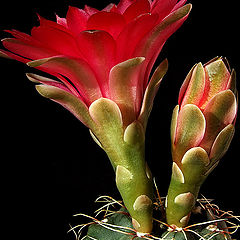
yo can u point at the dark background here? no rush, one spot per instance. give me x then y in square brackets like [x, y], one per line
[51, 168]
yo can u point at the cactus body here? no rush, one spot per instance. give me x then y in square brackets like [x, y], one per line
[178, 236]
[120, 218]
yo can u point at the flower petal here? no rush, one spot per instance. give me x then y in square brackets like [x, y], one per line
[90, 10]
[136, 9]
[123, 86]
[173, 128]
[190, 130]
[7, 54]
[110, 22]
[179, 4]
[135, 31]
[53, 25]
[22, 36]
[150, 46]
[47, 81]
[163, 7]
[67, 100]
[77, 71]
[99, 49]
[217, 78]
[185, 85]
[151, 92]
[61, 21]
[123, 5]
[27, 50]
[195, 89]
[220, 111]
[111, 8]
[76, 19]
[232, 85]
[221, 143]
[56, 40]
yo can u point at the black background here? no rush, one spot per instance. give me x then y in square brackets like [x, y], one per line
[51, 168]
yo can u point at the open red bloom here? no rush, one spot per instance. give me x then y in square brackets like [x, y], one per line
[87, 51]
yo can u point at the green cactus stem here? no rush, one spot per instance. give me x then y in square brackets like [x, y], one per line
[184, 186]
[125, 149]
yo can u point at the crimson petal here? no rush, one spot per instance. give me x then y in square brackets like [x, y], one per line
[61, 21]
[50, 24]
[22, 36]
[136, 9]
[110, 22]
[98, 48]
[47, 81]
[77, 71]
[27, 50]
[123, 84]
[135, 30]
[179, 4]
[76, 19]
[123, 5]
[7, 54]
[163, 7]
[57, 40]
[150, 46]
[90, 10]
[111, 8]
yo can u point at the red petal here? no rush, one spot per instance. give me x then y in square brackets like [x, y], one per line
[90, 10]
[179, 4]
[76, 19]
[151, 45]
[50, 24]
[56, 40]
[7, 54]
[163, 7]
[184, 86]
[98, 48]
[111, 8]
[219, 112]
[132, 34]
[217, 79]
[123, 5]
[110, 22]
[61, 21]
[196, 86]
[27, 50]
[77, 71]
[123, 85]
[47, 81]
[138, 8]
[22, 36]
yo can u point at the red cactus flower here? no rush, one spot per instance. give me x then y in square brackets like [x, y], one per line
[86, 49]
[102, 61]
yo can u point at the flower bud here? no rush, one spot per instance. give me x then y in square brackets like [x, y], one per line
[208, 105]
[201, 131]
